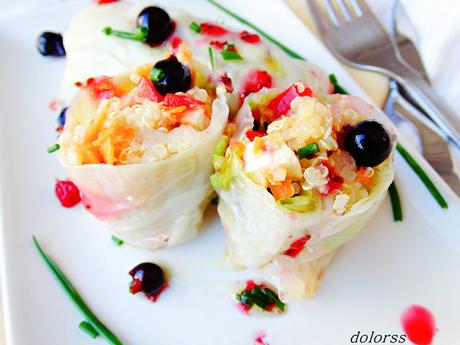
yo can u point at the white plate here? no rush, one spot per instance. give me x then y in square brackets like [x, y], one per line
[372, 280]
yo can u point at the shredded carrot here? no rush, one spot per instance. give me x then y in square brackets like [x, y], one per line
[283, 190]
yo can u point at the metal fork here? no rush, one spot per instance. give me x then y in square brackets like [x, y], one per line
[356, 37]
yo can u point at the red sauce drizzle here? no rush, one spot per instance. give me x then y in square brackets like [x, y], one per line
[259, 338]
[297, 246]
[419, 325]
[103, 2]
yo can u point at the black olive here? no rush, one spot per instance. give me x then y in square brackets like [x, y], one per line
[368, 143]
[171, 76]
[62, 117]
[157, 22]
[50, 43]
[150, 277]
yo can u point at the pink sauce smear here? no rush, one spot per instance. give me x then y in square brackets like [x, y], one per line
[259, 338]
[419, 325]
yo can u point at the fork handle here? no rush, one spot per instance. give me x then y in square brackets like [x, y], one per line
[427, 98]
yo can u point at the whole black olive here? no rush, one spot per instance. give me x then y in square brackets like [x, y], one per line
[157, 22]
[171, 76]
[147, 277]
[50, 44]
[368, 143]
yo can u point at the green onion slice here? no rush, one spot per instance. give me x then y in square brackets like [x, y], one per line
[117, 240]
[395, 203]
[422, 175]
[76, 298]
[230, 56]
[337, 87]
[287, 50]
[139, 35]
[308, 150]
[157, 75]
[53, 148]
[195, 27]
[263, 297]
[211, 57]
[88, 329]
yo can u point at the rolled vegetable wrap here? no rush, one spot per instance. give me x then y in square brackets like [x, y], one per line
[140, 153]
[302, 176]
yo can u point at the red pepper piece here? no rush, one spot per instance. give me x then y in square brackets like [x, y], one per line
[102, 2]
[249, 38]
[297, 246]
[212, 29]
[227, 81]
[176, 42]
[255, 81]
[173, 100]
[335, 180]
[281, 104]
[145, 89]
[218, 44]
[102, 87]
[67, 193]
[251, 135]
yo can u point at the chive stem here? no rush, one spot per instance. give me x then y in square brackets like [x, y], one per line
[76, 298]
[157, 75]
[117, 240]
[139, 35]
[422, 175]
[308, 150]
[287, 50]
[211, 57]
[195, 27]
[88, 329]
[337, 87]
[395, 203]
[53, 148]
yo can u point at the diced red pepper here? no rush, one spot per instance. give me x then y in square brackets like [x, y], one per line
[145, 89]
[176, 42]
[249, 38]
[67, 193]
[227, 81]
[102, 87]
[255, 81]
[102, 2]
[335, 180]
[281, 104]
[251, 135]
[218, 44]
[250, 284]
[297, 246]
[212, 29]
[173, 100]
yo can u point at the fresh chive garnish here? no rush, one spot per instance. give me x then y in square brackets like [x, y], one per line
[288, 51]
[261, 296]
[76, 298]
[395, 202]
[230, 46]
[211, 56]
[53, 148]
[422, 175]
[157, 75]
[195, 27]
[139, 35]
[117, 240]
[88, 329]
[308, 150]
[337, 87]
[230, 55]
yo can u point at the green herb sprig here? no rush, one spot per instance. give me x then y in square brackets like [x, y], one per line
[76, 298]
[195, 27]
[261, 296]
[88, 329]
[139, 35]
[395, 202]
[211, 57]
[53, 148]
[117, 241]
[337, 87]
